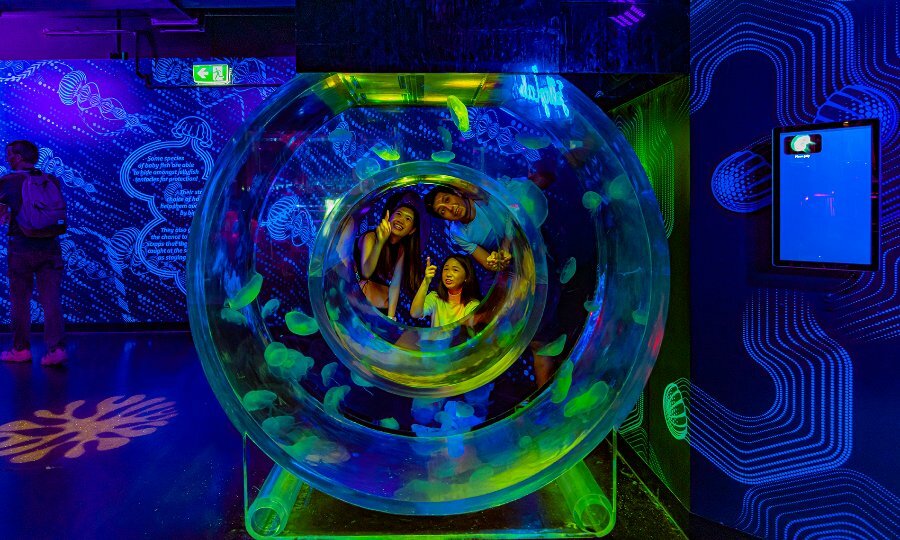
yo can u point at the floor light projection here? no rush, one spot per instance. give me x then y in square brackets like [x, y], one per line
[115, 422]
[389, 412]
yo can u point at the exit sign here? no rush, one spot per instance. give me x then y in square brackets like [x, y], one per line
[212, 74]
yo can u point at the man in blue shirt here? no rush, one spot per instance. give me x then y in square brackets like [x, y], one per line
[470, 229]
[30, 258]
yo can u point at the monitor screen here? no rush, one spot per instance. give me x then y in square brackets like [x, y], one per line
[825, 195]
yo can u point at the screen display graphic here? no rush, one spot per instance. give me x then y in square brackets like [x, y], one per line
[825, 210]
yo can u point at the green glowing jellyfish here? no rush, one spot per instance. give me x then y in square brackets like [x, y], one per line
[533, 143]
[562, 383]
[256, 400]
[389, 423]
[270, 308]
[385, 152]
[278, 426]
[334, 397]
[525, 442]
[444, 156]
[640, 316]
[553, 348]
[591, 200]
[591, 306]
[366, 167]
[619, 189]
[272, 354]
[589, 399]
[568, 270]
[316, 450]
[233, 316]
[458, 113]
[446, 137]
[328, 372]
[247, 294]
[301, 324]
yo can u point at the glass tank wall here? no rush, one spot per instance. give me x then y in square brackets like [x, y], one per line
[428, 294]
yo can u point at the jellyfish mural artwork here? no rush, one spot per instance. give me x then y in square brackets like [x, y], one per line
[168, 176]
[395, 415]
[103, 116]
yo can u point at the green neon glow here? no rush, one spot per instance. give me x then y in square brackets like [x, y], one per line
[554, 348]
[458, 113]
[301, 324]
[675, 411]
[802, 143]
[647, 123]
[247, 294]
[256, 400]
[443, 156]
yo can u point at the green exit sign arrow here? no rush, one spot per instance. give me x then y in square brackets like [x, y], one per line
[212, 74]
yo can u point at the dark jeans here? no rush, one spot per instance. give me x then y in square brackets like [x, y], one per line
[47, 266]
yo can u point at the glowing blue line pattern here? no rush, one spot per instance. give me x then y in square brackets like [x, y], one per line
[836, 504]
[633, 432]
[103, 116]
[808, 427]
[868, 304]
[813, 46]
[742, 182]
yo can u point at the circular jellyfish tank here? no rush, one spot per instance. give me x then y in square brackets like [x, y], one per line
[382, 406]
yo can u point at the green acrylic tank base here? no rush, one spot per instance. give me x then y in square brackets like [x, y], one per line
[579, 504]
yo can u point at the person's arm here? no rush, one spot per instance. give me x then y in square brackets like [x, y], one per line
[417, 309]
[394, 289]
[370, 247]
[494, 261]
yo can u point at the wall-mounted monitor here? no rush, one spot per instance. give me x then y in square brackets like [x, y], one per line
[825, 195]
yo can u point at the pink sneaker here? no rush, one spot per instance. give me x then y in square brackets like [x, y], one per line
[15, 355]
[54, 357]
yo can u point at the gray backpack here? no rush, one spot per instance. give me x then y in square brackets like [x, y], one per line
[43, 212]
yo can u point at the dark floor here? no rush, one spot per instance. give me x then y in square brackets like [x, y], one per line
[166, 463]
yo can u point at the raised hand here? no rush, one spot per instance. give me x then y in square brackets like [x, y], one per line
[384, 228]
[430, 270]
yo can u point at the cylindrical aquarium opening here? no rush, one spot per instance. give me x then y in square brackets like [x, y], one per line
[428, 302]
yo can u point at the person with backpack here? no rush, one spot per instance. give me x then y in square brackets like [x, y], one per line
[37, 216]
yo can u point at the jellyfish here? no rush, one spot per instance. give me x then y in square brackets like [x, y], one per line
[562, 382]
[67, 175]
[568, 270]
[256, 400]
[458, 113]
[246, 294]
[301, 323]
[443, 156]
[103, 116]
[554, 348]
[675, 411]
[334, 397]
[587, 400]
[269, 308]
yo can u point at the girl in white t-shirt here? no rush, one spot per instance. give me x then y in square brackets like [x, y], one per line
[457, 295]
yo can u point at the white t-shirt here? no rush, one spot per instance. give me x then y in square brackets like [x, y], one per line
[443, 313]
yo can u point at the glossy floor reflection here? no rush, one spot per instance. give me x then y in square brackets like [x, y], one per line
[128, 441]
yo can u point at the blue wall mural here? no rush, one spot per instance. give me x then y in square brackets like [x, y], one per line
[793, 377]
[133, 160]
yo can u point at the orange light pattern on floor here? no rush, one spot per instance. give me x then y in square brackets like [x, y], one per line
[117, 420]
